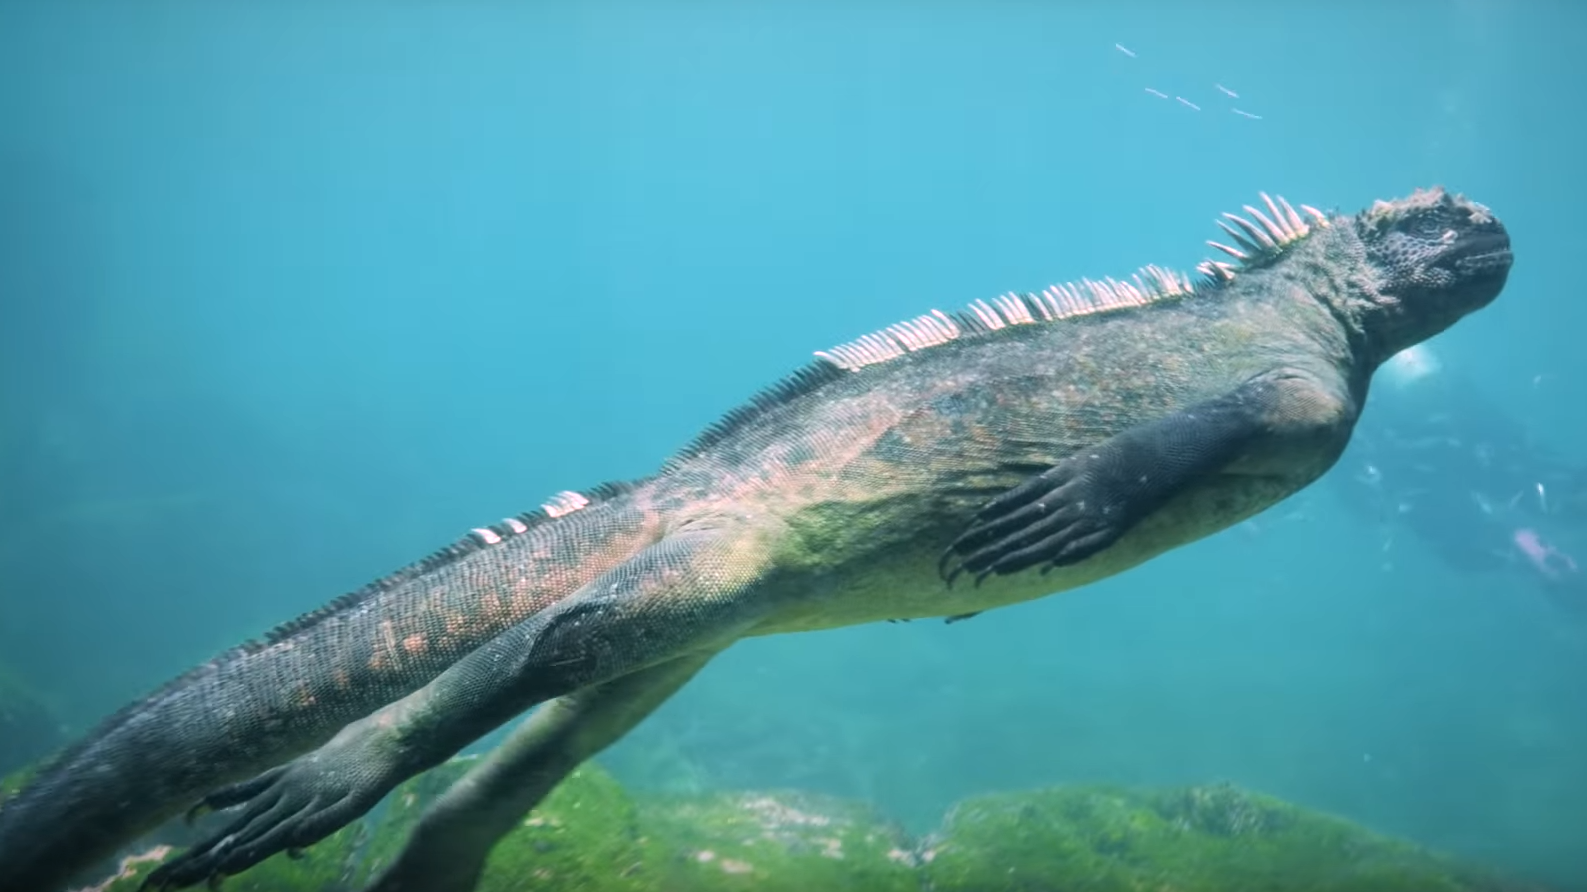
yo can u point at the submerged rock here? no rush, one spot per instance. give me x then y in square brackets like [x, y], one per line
[1215, 838]
[584, 836]
[327, 866]
[774, 841]
[592, 836]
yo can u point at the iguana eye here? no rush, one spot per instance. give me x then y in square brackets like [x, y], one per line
[1427, 225]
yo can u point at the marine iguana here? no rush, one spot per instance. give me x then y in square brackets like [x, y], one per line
[946, 465]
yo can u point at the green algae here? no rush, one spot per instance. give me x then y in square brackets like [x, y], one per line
[775, 841]
[1198, 839]
[392, 822]
[590, 835]
[584, 836]
[327, 866]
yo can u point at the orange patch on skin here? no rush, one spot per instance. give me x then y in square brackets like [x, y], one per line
[415, 644]
[490, 606]
[524, 598]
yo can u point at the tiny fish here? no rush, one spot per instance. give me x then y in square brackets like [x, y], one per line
[1124, 49]
[1188, 104]
[1158, 93]
[1542, 499]
[1246, 114]
[1227, 92]
[1482, 502]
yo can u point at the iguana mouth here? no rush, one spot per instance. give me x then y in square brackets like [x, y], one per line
[1480, 244]
[1481, 254]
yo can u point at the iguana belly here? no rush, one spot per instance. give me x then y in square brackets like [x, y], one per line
[900, 578]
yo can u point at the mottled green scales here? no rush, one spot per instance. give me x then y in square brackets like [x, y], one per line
[947, 465]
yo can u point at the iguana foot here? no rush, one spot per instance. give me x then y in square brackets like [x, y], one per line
[287, 808]
[1061, 516]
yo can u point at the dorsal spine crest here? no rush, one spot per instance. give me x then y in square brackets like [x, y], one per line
[1061, 301]
[559, 505]
[1258, 243]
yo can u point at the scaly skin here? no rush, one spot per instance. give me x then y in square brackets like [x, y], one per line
[251, 708]
[1016, 455]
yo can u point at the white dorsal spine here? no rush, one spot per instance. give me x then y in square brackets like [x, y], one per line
[1256, 242]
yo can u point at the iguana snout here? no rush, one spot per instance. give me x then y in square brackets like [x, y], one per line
[1439, 256]
[1434, 240]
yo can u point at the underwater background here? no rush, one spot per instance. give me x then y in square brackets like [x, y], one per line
[294, 294]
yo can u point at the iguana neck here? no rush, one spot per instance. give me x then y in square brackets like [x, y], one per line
[1332, 268]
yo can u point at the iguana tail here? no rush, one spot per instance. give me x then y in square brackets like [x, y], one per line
[266, 702]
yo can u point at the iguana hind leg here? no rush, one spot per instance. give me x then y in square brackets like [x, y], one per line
[1086, 502]
[690, 593]
[448, 847]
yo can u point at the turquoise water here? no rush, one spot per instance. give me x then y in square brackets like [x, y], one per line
[292, 297]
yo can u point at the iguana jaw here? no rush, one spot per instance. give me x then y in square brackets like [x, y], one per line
[1483, 259]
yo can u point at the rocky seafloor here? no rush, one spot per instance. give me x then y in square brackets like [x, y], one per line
[592, 835]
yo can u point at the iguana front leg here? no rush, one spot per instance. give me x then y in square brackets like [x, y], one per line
[448, 847]
[1086, 502]
[688, 594]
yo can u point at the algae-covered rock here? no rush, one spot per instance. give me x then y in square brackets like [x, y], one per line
[583, 837]
[591, 836]
[391, 822]
[773, 842]
[326, 866]
[1198, 839]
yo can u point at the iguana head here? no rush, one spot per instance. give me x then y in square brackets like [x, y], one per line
[1432, 258]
